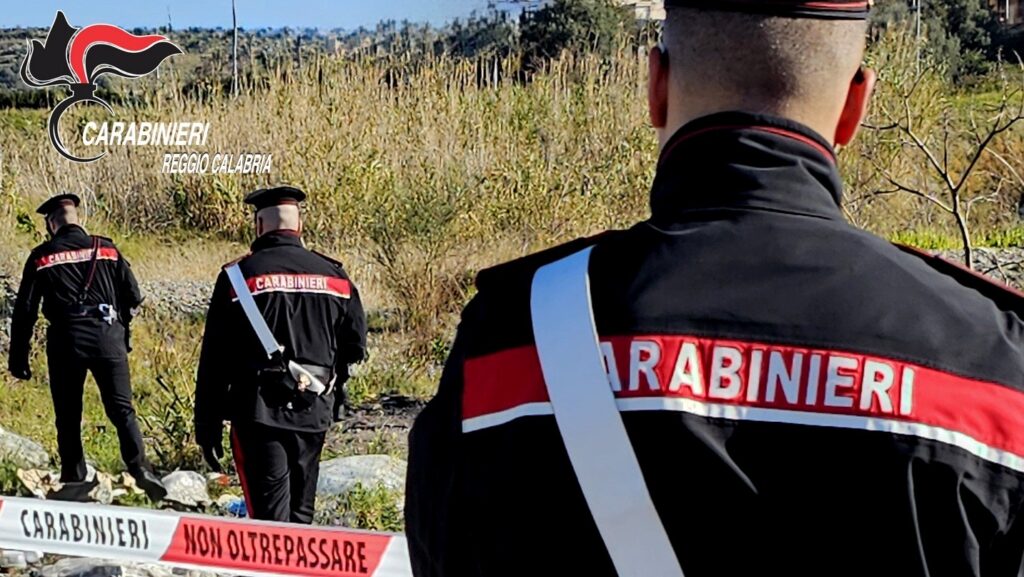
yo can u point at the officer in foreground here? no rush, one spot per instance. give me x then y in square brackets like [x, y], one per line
[800, 397]
[88, 293]
[279, 376]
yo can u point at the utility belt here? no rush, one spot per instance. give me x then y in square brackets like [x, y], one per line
[104, 312]
[292, 385]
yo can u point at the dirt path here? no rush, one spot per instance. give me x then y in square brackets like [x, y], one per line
[378, 428]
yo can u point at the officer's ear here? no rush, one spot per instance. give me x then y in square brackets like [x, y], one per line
[856, 107]
[259, 224]
[657, 86]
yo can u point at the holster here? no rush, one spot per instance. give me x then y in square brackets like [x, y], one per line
[279, 388]
[104, 312]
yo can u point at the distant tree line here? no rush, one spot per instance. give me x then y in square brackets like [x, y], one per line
[965, 34]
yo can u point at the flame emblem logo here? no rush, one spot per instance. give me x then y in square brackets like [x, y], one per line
[76, 57]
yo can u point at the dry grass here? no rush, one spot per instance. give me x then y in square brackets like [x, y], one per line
[417, 185]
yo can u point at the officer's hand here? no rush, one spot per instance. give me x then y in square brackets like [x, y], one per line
[210, 440]
[212, 454]
[340, 401]
[21, 373]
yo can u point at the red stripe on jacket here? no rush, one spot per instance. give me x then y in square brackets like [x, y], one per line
[761, 376]
[75, 257]
[298, 283]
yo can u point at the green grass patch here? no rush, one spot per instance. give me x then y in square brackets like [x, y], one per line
[412, 380]
[931, 239]
[371, 509]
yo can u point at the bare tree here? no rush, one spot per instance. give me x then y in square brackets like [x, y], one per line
[944, 147]
[234, 51]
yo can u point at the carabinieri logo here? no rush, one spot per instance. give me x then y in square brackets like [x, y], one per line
[76, 57]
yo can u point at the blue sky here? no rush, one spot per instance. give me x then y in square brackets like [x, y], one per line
[347, 14]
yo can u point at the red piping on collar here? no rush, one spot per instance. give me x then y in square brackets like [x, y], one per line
[829, 153]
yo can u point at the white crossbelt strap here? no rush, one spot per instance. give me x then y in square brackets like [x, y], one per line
[591, 426]
[266, 337]
[252, 312]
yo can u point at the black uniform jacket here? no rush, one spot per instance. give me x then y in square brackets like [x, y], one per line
[804, 398]
[314, 311]
[55, 273]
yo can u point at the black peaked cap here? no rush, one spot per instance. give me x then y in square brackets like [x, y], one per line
[827, 9]
[267, 197]
[52, 204]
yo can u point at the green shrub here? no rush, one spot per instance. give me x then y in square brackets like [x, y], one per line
[373, 509]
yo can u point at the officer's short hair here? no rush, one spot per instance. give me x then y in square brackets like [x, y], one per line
[63, 214]
[771, 58]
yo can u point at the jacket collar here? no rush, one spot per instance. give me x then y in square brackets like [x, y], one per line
[70, 230]
[276, 239]
[742, 161]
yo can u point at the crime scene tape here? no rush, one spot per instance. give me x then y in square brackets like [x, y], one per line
[241, 546]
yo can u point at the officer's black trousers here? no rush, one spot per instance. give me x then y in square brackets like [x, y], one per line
[279, 470]
[67, 381]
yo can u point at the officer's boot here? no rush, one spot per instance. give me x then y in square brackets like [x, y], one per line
[150, 483]
[75, 484]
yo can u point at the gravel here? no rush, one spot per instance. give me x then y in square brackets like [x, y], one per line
[1004, 264]
[173, 297]
[186, 298]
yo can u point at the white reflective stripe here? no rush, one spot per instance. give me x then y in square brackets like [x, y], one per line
[506, 416]
[252, 312]
[766, 415]
[591, 426]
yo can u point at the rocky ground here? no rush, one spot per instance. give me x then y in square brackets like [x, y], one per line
[1006, 265]
[342, 479]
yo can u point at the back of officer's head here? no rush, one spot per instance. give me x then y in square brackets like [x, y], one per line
[804, 69]
[279, 217]
[60, 216]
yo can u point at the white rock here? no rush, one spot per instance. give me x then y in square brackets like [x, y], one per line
[13, 560]
[341, 475]
[21, 452]
[33, 557]
[187, 488]
[101, 568]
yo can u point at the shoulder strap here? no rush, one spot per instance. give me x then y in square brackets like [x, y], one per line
[591, 426]
[83, 290]
[329, 259]
[1003, 295]
[252, 312]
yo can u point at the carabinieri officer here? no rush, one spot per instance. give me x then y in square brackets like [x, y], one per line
[88, 293]
[278, 375]
[755, 386]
